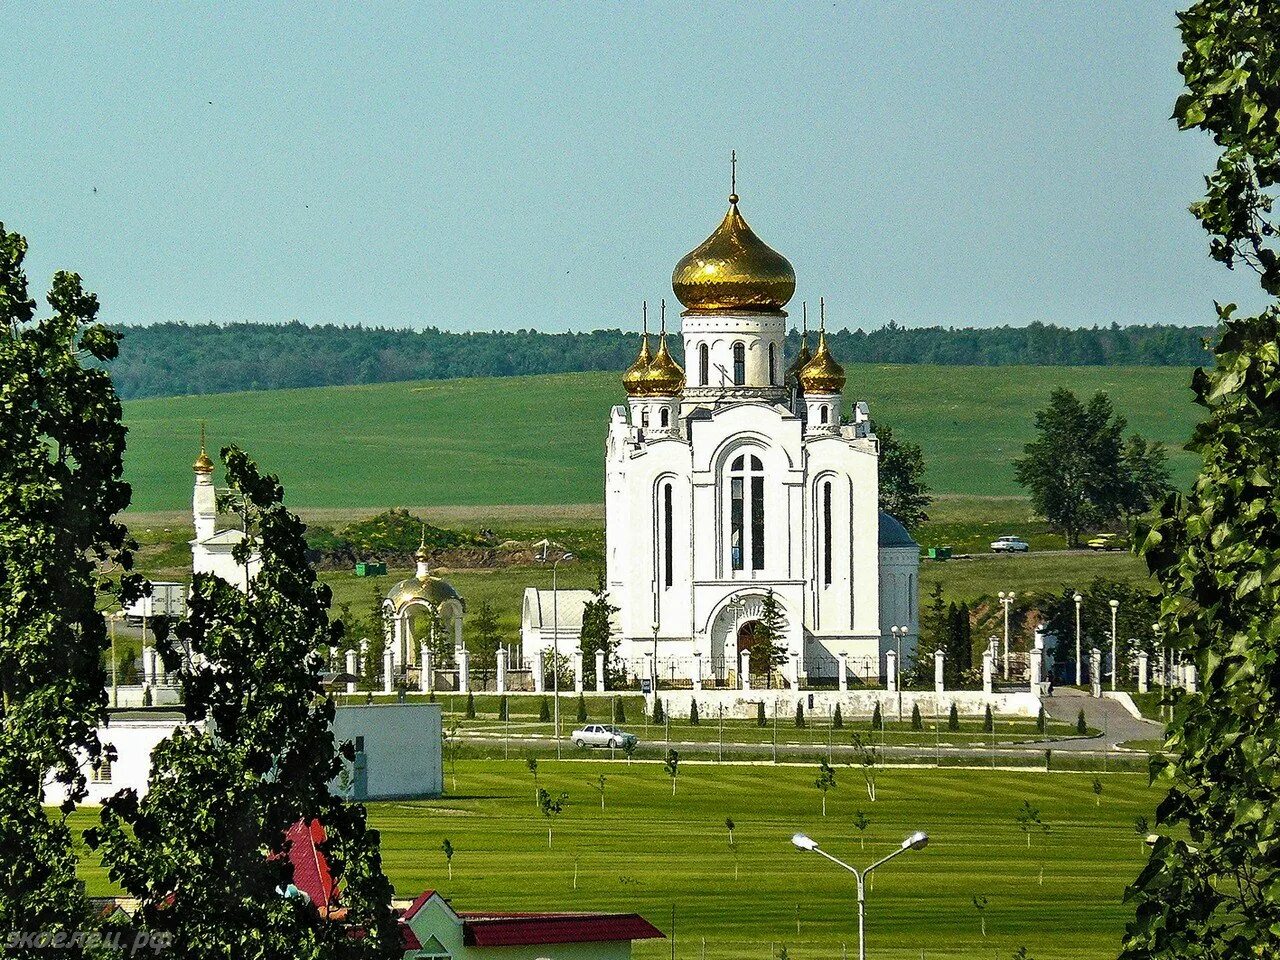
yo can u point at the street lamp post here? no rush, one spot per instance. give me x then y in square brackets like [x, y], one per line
[555, 634]
[1006, 601]
[898, 634]
[917, 841]
[1115, 606]
[1079, 666]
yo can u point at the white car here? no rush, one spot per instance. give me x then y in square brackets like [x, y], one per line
[601, 735]
[1010, 545]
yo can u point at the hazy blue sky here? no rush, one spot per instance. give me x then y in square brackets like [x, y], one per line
[544, 165]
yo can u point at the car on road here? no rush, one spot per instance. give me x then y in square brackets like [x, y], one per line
[1105, 541]
[1010, 545]
[602, 735]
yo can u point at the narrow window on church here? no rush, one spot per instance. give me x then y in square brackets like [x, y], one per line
[739, 364]
[644, 418]
[823, 413]
[665, 417]
[735, 520]
[826, 533]
[773, 365]
[757, 514]
[668, 526]
[704, 365]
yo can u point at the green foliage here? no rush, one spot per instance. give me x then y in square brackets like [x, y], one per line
[544, 710]
[486, 638]
[597, 631]
[1029, 820]
[1082, 725]
[988, 721]
[877, 720]
[837, 719]
[61, 460]
[825, 781]
[761, 719]
[1076, 468]
[391, 533]
[619, 711]
[800, 721]
[582, 708]
[917, 721]
[904, 494]
[1139, 608]
[672, 766]
[659, 715]
[953, 719]
[504, 708]
[470, 712]
[767, 650]
[202, 850]
[1041, 721]
[693, 712]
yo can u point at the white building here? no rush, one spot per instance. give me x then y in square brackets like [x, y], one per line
[212, 549]
[742, 480]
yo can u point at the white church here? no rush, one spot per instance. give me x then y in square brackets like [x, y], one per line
[739, 479]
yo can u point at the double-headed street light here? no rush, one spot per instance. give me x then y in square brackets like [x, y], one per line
[1115, 606]
[1006, 601]
[917, 841]
[555, 632]
[1079, 666]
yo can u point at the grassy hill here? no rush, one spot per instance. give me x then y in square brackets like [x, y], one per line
[539, 440]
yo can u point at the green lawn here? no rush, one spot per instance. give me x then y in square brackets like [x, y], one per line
[650, 851]
[540, 440]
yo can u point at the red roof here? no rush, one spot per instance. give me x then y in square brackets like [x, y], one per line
[408, 939]
[418, 903]
[523, 929]
[310, 867]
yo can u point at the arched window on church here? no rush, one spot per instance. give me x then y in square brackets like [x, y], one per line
[826, 533]
[665, 417]
[773, 364]
[668, 536]
[739, 364]
[746, 513]
[822, 413]
[704, 365]
[644, 417]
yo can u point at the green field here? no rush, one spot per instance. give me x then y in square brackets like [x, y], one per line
[649, 851]
[540, 440]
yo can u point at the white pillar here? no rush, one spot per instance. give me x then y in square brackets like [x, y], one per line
[1144, 668]
[697, 671]
[577, 669]
[1036, 667]
[424, 668]
[351, 670]
[793, 670]
[649, 667]
[988, 671]
[397, 638]
[464, 670]
[457, 631]
[599, 671]
[844, 672]
[939, 671]
[1095, 671]
[744, 670]
[388, 668]
[539, 681]
[502, 669]
[149, 666]
[891, 671]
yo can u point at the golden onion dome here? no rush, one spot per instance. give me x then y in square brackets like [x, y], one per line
[822, 374]
[632, 380]
[430, 589]
[203, 463]
[665, 377]
[733, 271]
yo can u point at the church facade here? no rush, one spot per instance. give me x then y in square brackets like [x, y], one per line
[741, 480]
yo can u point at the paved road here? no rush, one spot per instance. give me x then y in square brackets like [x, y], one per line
[1107, 715]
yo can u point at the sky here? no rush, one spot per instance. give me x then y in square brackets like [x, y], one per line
[538, 165]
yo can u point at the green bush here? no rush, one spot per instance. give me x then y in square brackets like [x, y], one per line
[953, 719]
[582, 709]
[800, 714]
[659, 715]
[1042, 723]
[988, 721]
[1082, 725]
[761, 718]
[693, 713]
[917, 721]
[619, 712]
[544, 711]
[837, 720]
[471, 706]
[877, 721]
[504, 708]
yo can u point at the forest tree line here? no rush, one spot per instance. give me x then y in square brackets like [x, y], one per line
[176, 359]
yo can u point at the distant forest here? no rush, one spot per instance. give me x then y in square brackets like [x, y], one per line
[174, 359]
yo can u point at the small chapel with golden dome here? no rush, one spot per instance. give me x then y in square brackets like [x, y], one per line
[737, 478]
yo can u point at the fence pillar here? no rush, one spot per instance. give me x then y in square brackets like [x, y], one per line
[1144, 668]
[388, 668]
[464, 669]
[502, 670]
[577, 669]
[793, 670]
[539, 680]
[351, 671]
[696, 676]
[939, 670]
[1035, 667]
[843, 671]
[988, 671]
[891, 671]
[1095, 671]
[599, 671]
[744, 670]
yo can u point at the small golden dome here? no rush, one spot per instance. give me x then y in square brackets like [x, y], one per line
[431, 589]
[632, 380]
[822, 374]
[733, 271]
[203, 464]
[665, 377]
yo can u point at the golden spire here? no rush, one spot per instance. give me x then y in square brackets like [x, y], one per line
[803, 356]
[422, 556]
[733, 270]
[632, 380]
[822, 374]
[665, 377]
[203, 464]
